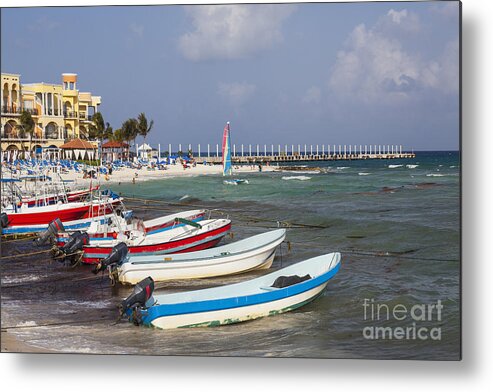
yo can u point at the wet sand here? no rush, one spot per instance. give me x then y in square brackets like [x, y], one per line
[11, 344]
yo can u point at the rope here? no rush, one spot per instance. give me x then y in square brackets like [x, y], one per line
[237, 215]
[25, 254]
[15, 237]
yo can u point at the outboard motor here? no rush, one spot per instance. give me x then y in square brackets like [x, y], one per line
[4, 220]
[76, 242]
[55, 226]
[118, 253]
[137, 300]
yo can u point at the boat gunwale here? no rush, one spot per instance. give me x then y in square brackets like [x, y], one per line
[94, 247]
[217, 257]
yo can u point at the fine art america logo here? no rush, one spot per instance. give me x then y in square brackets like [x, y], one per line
[407, 322]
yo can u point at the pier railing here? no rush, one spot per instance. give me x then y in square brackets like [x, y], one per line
[305, 153]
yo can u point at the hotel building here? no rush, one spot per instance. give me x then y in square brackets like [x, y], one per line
[60, 112]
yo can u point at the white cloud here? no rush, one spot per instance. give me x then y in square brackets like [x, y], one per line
[137, 29]
[375, 67]
[312, 95]
[448, 9]
[233, 31]
[236, 93]
[44, 23]
[443, 73]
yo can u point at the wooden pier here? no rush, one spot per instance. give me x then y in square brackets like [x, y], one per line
[304, 158]
[309, 153]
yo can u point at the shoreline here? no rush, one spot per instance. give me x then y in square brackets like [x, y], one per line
[14, 345]
[127, 175]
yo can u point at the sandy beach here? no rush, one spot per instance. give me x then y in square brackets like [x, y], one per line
[145, 174]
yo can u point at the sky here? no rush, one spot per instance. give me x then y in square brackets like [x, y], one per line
[326, 73]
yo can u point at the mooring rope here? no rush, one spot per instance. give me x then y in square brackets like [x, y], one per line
[25, 254]
[221, 212]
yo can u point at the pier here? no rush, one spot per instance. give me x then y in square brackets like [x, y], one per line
[245, 154]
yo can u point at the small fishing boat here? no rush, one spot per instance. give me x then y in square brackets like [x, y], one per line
[278, 292]
[110, 229]
[24, 215]
[227, 167]
[187, 237]
[53, 198]
[256, 252]
[78, 224]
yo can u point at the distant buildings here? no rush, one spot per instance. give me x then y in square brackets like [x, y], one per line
[60, 112]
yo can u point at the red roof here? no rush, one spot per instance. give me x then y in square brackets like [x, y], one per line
[78, 144]
[115, 144]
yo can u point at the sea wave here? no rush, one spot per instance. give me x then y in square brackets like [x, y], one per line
[21, 279]
[342, 167]
[435, 175]
[363, 174]
[412, 166]
[300, 178]
[394, 166]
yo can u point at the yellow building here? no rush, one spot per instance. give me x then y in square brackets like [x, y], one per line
[60, 111]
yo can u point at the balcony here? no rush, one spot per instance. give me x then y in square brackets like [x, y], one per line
[70, 114]
[85, 117]
[13, 110]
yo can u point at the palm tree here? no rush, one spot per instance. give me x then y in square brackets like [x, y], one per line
[117, 135]
[27, 123]
[99, 129]
[130, 130]
[144, 129]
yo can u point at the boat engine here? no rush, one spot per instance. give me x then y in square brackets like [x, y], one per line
[4, 220]
[76, 242]
[50, 233]
[117, 255]
[137, 300]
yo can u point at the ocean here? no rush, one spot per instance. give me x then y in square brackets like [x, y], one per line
[395, 222]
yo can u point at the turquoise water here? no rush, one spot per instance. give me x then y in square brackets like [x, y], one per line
[398, 229]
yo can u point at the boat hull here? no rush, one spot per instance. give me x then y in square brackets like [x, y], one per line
[242, 301]
[132, 273]
[79, 224]
[239, 314]
[44, 217]
[37, 216]
[93, 254]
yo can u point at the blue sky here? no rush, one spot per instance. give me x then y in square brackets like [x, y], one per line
[352, 73]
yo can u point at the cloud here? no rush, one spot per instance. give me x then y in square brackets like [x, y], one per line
[375, 67]
[448, 9]
[233, 31]
[312, 95]
[138, 30]
[44, 23]
[236, 93]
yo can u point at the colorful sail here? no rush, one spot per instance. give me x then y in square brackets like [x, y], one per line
[227, 168]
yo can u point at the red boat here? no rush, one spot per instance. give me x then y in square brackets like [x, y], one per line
[25, 215]
[183, 238]
[121, 224]
[77, 195]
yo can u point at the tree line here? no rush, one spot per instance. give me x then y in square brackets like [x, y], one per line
[128, 131]
[99, 129]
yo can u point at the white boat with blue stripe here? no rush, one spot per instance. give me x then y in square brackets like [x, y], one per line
[278, 292]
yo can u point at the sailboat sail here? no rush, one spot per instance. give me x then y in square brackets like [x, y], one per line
[227, 168]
